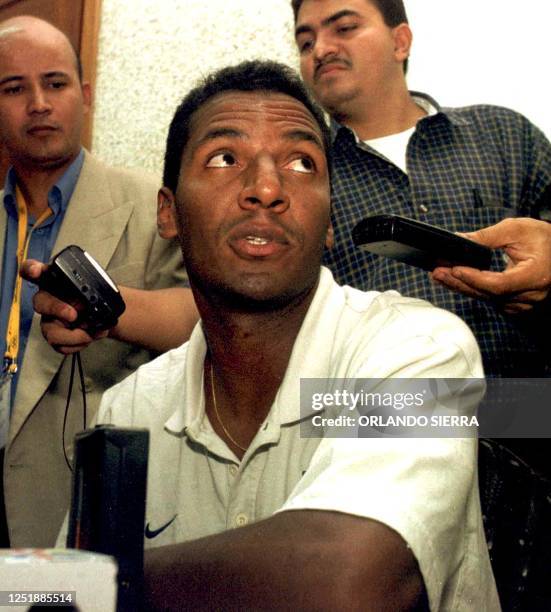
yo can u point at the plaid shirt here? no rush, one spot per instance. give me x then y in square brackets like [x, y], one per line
[467, 168]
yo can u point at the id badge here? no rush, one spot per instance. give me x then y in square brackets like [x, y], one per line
[5, 407]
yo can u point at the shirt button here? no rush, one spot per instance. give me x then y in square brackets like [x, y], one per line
[241, 520]
[233, 470]
[424, 208]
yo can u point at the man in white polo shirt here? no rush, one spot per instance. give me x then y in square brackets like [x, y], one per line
[323, 523]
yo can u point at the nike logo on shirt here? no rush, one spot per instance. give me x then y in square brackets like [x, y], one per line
[153, 533]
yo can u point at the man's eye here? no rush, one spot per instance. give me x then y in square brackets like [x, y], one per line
[302, 164]
[306, 45]
[346, 28]
[10, 91]
[57, 84]
[221, 160]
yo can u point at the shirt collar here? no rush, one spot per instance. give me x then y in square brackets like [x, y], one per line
[190, 408]
[449, 114]
[309, 359]
[9, 193]
[67, 183]
[59, 195]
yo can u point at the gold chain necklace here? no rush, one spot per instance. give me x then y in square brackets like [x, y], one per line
[230, 437]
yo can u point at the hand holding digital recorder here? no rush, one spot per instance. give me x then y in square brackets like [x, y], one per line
[75, 277]
[419, 244]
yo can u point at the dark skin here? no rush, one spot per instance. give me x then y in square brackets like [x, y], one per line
[240, 357]
[238, 285]
[302, 560]
[252, 212]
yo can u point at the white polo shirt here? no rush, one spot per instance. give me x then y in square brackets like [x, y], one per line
[425, 489]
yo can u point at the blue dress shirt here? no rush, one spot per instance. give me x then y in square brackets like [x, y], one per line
[40, 247]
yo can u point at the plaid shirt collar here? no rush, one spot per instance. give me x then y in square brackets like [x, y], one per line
[450, 115]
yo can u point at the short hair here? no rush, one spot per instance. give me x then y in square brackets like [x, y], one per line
[249, 76]
[392, 11]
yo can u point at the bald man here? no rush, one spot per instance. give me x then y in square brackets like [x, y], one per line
[56, 194]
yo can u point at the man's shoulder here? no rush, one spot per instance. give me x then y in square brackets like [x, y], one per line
[118, 179]
[386, 322]
[397, 310]
[389, 305]
[486, 115]
[146, 397]
[386, 312]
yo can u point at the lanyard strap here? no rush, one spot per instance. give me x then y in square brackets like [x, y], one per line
[23, 240]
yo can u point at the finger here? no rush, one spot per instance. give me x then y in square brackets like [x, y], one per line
[444, 277]
[57, 335]
[69, 350]
[513, 280]
[513, 308]
[46, 304]
[505, 232]
[516, 305]
[99, 335]
[32, 269]
[529, 297]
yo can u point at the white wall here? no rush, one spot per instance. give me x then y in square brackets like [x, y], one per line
[152, 51]
[484, 51]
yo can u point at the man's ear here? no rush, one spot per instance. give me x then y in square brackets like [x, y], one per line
[330, 237]
[402, 41]
[86, 96]
[166, 221]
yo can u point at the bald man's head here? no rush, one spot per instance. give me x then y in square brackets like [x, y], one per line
[38, 27]
[42, 97]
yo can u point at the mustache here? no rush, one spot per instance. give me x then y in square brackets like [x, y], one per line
[327, 62]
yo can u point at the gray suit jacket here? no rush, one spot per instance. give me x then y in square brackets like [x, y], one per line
[112, 216]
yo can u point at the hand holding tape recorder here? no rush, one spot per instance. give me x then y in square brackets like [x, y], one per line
[419, 244]
[76, 278]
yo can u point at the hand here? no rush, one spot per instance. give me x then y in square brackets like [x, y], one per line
[524, 283]
[57, 316]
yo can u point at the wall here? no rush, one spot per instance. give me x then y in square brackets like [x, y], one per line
[491, 51]
[152, 51]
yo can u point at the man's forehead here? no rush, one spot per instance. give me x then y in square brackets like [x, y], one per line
[243, 108]
[42, 47]
[324, 10]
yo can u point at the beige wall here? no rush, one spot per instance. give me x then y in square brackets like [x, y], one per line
[152, 51]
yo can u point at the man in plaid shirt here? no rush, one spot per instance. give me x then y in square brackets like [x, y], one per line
[463, 169]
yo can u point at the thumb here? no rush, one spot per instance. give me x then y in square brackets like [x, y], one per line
[32, 269]
[495, 236]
